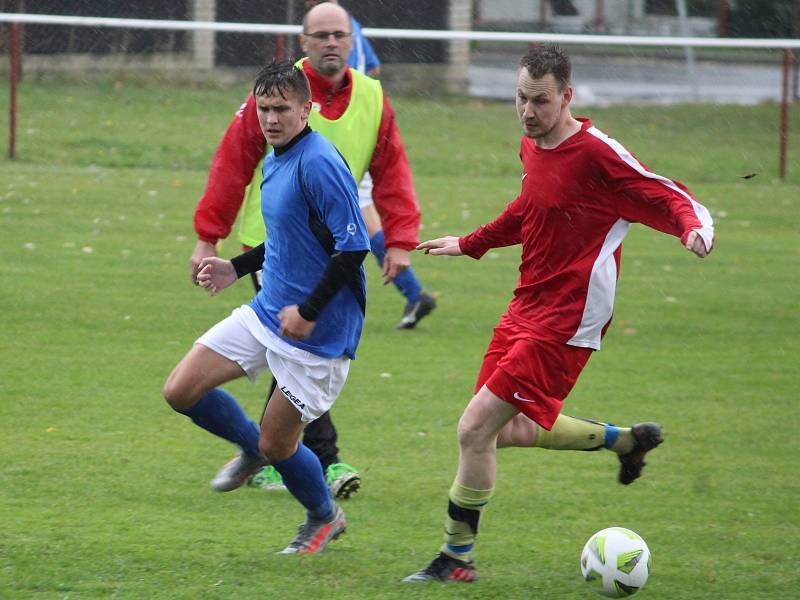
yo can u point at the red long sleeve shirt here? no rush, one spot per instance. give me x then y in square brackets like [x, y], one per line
[243, 146]
[577, 202]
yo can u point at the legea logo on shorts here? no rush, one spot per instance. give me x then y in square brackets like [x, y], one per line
[292, 397]
[351, 228]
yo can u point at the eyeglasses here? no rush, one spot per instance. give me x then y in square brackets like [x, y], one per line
[323, 36]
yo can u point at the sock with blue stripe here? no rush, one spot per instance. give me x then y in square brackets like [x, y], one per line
[571, 433]
[219, 413]
[464, 508]
[303, 477]
[406, 282]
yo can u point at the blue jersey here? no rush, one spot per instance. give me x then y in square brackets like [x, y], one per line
[310, 175]
[362, 57]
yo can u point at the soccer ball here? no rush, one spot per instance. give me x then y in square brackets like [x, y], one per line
[616, 561]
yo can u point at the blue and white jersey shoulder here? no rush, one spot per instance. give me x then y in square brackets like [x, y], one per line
[310, 176]
[362, 57]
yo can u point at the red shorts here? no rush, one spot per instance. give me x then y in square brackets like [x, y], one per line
[532, 375]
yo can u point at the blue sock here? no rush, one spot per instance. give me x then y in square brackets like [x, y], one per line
[218, 412]
[302, 474]
[612, 433]
[406, 282]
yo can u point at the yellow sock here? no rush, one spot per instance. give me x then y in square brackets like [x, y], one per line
[461, 525]
[570, 433]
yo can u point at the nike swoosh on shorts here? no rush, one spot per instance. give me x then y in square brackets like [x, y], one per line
[521, 399]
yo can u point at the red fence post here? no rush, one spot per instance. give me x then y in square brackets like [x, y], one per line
[13, 57]
[722, 21]
[280, 47]
[784, 133]
[599, 17]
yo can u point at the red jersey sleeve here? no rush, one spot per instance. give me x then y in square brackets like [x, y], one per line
[238, 154]
[393, 190]
[645, 197]
[505, 230]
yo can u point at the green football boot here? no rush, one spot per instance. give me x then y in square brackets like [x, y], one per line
[267, 479]
[343, 480]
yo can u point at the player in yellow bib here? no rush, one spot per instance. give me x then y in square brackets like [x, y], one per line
[351, 110]
[354, 134]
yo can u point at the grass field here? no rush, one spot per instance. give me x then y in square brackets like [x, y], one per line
[104, 490]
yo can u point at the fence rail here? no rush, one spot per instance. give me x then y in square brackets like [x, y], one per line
[788, 46]
[407, 34]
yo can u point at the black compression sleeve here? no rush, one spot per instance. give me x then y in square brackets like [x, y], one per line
[343, 267]
[249, 262]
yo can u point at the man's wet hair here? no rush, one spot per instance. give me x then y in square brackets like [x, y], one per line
[279, 77]
[548, 58]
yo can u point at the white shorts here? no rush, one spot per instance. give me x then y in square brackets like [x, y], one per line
[312, 383]
[365, 191]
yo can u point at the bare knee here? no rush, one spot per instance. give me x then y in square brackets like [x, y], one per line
[276, 450]
[177, 394]
[201, 370]
[473, 434]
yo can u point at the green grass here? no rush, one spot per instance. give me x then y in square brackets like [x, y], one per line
[103, 489]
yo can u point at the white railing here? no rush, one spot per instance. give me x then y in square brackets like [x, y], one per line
[787, 45]
[407, 34]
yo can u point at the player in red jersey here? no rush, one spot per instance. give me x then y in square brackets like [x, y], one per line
[581, 190]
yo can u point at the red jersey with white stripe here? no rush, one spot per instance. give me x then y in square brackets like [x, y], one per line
[576, 205]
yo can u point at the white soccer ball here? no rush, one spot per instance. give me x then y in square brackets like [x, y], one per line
[616, 561]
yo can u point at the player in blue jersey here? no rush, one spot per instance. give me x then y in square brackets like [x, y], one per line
[303, 325]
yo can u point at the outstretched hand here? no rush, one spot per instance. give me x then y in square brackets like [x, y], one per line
[443, 246]
[215, 274]
[695, 243]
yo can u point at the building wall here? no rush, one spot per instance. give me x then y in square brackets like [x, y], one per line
[610, 16]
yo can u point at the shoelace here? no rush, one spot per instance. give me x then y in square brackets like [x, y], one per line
[303, 532]
[439, 565]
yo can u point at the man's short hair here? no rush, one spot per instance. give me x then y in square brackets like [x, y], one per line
[278, 77]
[548, 58]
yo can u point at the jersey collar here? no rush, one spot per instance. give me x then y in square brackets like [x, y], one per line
[293, 141]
